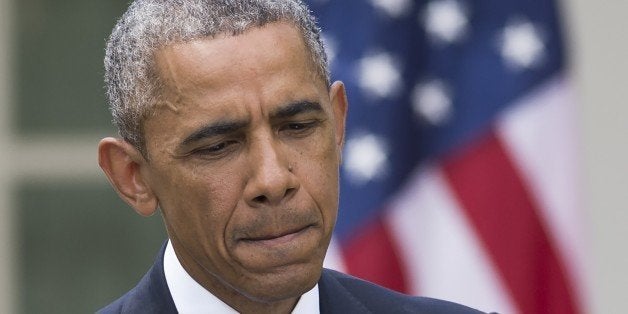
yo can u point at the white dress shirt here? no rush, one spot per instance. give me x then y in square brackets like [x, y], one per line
[191, 298]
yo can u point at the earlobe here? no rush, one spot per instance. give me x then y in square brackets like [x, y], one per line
[121, 162]
[339, 103]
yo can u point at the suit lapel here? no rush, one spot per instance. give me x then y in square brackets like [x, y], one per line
[335, 298]
[153, 293]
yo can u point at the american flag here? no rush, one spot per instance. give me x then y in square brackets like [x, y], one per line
[459, 177]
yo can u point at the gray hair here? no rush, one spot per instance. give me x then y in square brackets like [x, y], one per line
[133, 87]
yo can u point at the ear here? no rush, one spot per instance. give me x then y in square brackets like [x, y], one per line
[339, 104]
[122, 163]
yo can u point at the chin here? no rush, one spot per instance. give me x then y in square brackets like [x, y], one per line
[287, 282]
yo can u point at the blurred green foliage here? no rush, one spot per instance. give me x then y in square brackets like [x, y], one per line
[59, 48]
[80, 247]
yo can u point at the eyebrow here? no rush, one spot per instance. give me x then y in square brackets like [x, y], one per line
[218, 128]
[226, 127]
[296, 108]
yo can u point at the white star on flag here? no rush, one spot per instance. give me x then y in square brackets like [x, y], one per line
[431, 101]
[445, 21]
[366, 158]
[521, 45]
[394, 8]
[378, 74]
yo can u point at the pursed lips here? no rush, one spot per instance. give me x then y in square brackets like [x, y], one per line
[275, 238]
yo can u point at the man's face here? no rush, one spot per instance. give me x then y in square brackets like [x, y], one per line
[243, 158]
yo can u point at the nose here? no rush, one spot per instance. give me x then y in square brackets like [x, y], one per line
[271, 178]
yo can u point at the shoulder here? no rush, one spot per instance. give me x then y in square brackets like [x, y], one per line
[151, 295]
[124, 304]
[369, 297]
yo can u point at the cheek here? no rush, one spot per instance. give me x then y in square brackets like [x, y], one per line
[199, 210]
[320, 177]
[199, 202]
[217, 193]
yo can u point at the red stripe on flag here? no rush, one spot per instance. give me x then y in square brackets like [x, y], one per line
[370, 254]
[506, 219]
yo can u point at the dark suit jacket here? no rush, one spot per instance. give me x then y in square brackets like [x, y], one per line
[338, 293]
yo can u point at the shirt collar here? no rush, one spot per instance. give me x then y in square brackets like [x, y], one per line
[190, 297]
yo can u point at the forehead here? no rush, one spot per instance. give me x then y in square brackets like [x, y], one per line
[225, 59]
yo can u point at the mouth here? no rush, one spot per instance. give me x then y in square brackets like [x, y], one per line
[277, 238]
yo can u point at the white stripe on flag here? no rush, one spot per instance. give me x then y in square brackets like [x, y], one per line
[540, 134]
[443, 256]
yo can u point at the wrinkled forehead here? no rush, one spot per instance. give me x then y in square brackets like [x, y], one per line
[208, 59]
[271, 62]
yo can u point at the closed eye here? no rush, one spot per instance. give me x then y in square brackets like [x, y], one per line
[300, 128]
[216, 150]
